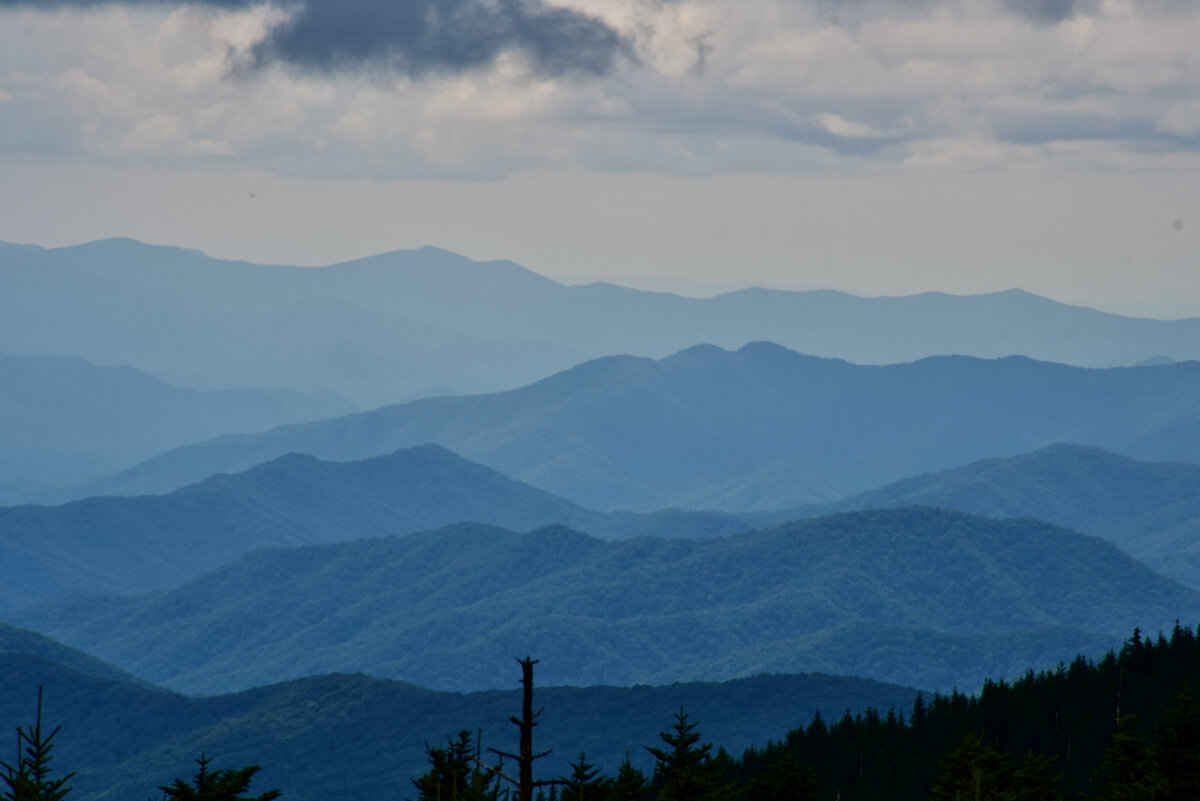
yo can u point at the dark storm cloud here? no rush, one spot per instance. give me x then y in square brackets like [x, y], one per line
[1043, 12]
[420, 36]
[417, 37]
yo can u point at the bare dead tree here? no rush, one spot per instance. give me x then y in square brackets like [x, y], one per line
[524, 783]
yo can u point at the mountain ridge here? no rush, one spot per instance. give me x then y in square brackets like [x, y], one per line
[820, 428]
[446, 608]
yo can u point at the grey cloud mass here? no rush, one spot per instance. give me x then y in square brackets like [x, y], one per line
[417, 37]
[1045, 12]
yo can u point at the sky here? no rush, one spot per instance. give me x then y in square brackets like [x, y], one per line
[874, 146]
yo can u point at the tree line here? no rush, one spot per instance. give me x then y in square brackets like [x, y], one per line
[1121, 728]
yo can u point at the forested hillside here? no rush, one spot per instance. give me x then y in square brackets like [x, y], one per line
[948, 599]
[1149, 509]
[355, 736]
[135, 544]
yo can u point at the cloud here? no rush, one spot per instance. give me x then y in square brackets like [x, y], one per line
[419, 37]
[1043, 12]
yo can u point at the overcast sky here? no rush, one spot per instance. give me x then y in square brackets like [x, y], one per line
[877, 146]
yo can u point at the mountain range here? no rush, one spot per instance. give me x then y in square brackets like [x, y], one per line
[354, 736]
[64, 420]
[757, 428]
[1151, 510]
[135, 544]
[947, 594]
[380, 329]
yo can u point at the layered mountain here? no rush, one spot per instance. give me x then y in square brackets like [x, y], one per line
[761, 427]
[135, 544]
[354, 736]
[63, 419]
[1149, 509]
[933, 595]
[383, 328]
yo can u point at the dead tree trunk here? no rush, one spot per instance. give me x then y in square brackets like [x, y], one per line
[525, 758]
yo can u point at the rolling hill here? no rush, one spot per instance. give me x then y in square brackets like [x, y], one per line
[126, 739]
[135, 544]
[1149, 509]
[947, 593]
[757, 428]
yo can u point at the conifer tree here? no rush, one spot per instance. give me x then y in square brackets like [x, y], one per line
[682, 772]
[29, 779]
[1035, 780]
[630, 784]
[783, 780]
[1177, 750]
[454, 773]
[973, 771]
[217, 785]
[585, 782]
[1129, 771]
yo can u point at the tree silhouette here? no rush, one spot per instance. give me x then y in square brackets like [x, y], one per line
[682, 771]
[29, 779]
[217, 785]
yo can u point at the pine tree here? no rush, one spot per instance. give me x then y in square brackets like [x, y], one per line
[973, 771]
[1177, 751]
[29, 779]
[454, 773]
[217, 785]
[683, 773]
[630, 784]
[1129, 771]
[585, 782]
[1035, 780]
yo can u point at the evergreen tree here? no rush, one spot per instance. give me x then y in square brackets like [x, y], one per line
[455, 773]
[29, 779]
[585, 782]
[1177, 751]
[630, 784]
[217, 785]
[973, 771]
[1035, 780]
[783, 780]
[1129, 772]
[682, 773]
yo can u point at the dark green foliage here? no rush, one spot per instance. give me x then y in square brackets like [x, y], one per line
[1036, 779]
[683, 772]
[1129, 772]
[960, 747]
[973, 770]
[1177, 750]
[585, 783]
[227, 784]
[630, 783]
[783, 780]
[455, 774]
[30, 778]
[304, 732]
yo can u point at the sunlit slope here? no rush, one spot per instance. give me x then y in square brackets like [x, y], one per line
[761, 427]
[448, 608]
